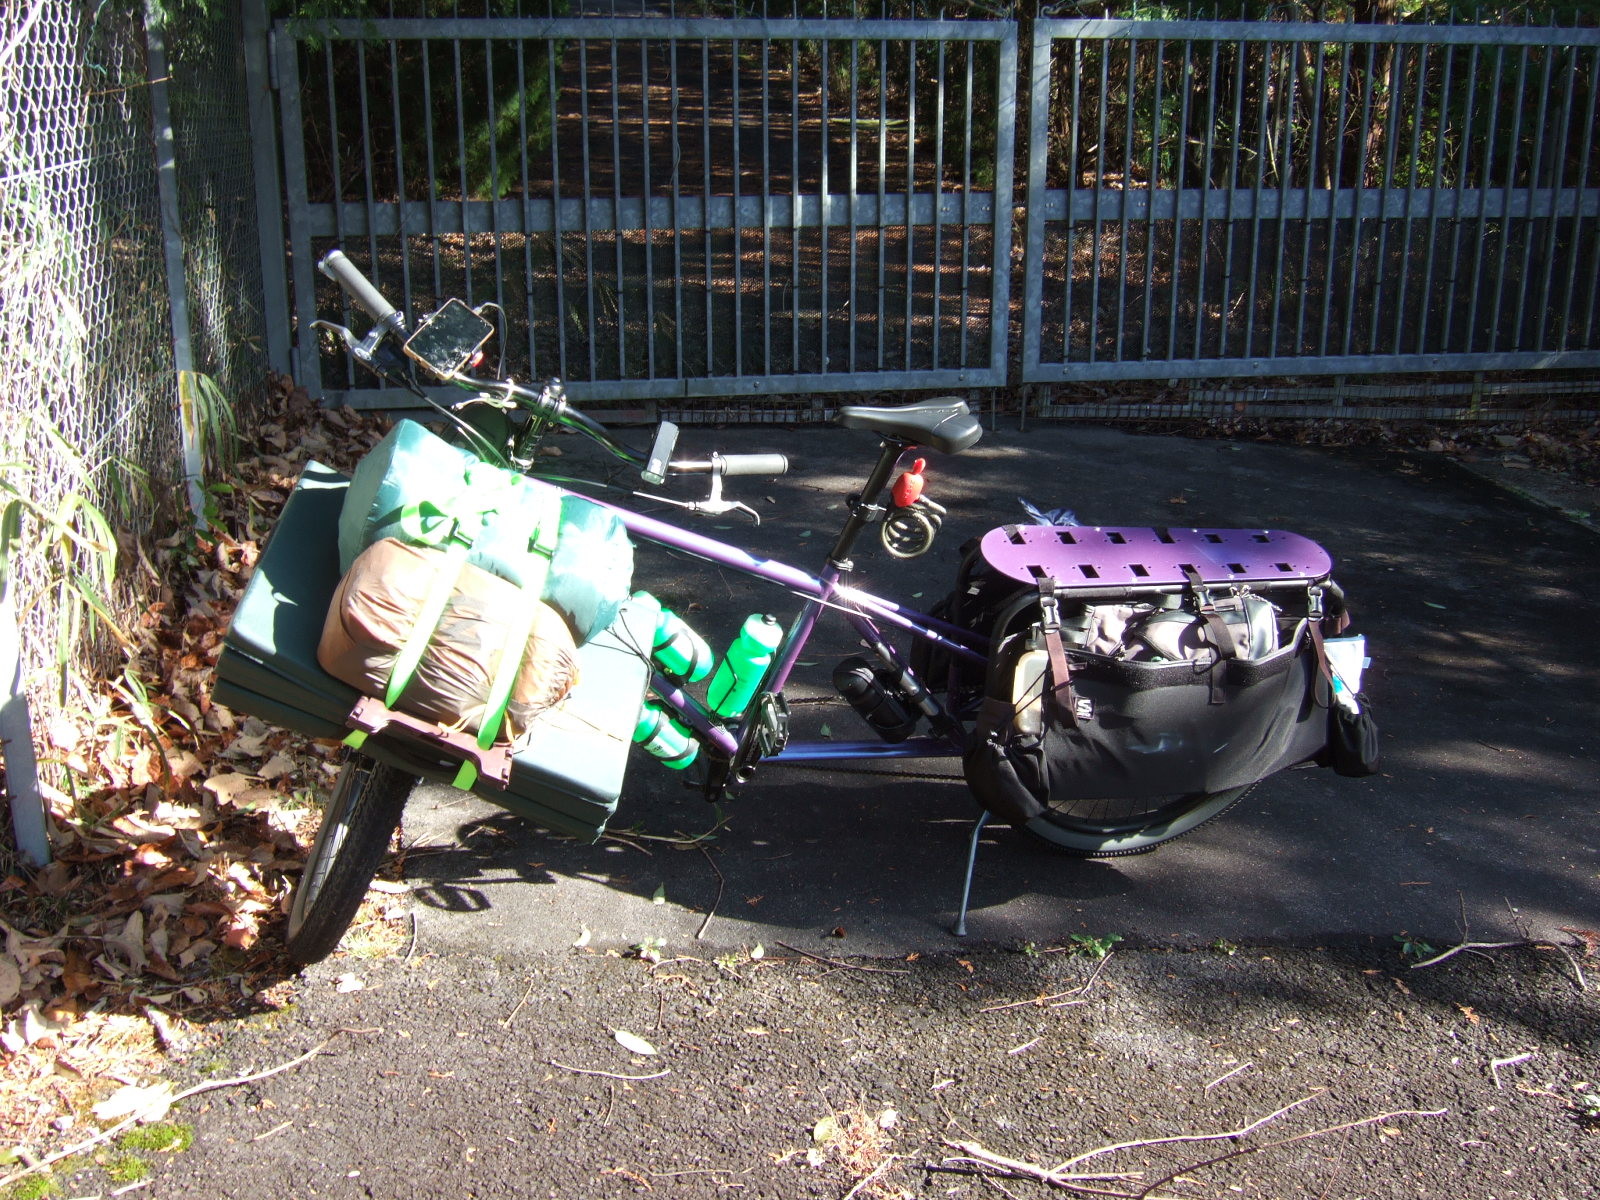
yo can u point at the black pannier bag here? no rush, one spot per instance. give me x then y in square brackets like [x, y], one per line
[1140, 664]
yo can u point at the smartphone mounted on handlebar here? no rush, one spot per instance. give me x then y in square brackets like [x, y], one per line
[449, 340]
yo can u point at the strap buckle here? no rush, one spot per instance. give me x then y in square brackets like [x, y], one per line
[1049, 605]
[1314, 602]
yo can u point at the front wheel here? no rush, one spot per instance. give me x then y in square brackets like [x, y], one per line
[1118, 828]
[360, 818]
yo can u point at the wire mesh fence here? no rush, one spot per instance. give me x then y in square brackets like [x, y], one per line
[88, 325]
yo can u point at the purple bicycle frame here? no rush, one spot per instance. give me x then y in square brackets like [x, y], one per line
[861, 609]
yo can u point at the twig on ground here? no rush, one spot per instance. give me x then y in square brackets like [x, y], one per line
[506, 1024]
[1577, 970]
[833, 962]
[261, 1137]
[1026, 1170]
[876, 1171]
[412, 948]
[1038, 1000]
[105, 1135]
[997, 1185]
[608, 1074]
[1229, 1075]
[629, 843]
[678, 841]
[710, 912]
[1078, 1182]
[1496, 1063]
[1043, 1000]
[1098, 967]
[1470, 946]
[1234, 1134]
[1299, 1137]
[1518, 920]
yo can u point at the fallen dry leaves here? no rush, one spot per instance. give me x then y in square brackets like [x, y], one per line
[177, 826]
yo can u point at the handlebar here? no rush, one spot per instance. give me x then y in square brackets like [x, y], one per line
[361, 290]
[548, 404]
[735, 464]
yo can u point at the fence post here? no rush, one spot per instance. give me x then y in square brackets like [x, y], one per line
[268, 181]
[172, 244]
[28, 823]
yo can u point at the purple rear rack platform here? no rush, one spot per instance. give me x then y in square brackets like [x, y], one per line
[1082, 557]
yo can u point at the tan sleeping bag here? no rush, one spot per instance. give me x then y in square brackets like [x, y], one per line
[376, 606]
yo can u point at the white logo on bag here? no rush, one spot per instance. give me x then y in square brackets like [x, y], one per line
[1083, 708]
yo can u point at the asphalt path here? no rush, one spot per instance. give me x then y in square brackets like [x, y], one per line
[1480, 614]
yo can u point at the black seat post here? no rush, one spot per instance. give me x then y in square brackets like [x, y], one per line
[864, 509]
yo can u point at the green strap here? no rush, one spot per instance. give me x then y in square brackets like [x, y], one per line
[459, 516]
[430, 523]
[543, 545]
[433, 606]
[505, 675]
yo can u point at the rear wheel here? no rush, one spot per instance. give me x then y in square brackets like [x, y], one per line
[361, 816]
[1117, 828]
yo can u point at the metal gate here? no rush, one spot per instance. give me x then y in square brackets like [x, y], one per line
[664, 207]
[1215, 199]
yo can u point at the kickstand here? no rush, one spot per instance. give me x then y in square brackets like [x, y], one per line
[959, 929]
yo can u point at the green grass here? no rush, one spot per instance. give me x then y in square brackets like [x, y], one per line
[128, 1168]
[35, 1187]
[159, 1137]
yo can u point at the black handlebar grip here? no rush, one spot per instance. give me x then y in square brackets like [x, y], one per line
[368, 298]
[754, 464]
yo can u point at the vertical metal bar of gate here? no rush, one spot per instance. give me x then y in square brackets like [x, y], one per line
[260, 69]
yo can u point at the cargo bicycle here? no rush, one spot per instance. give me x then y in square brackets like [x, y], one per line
[1107, 689]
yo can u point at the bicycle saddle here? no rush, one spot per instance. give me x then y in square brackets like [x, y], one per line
[942, 423]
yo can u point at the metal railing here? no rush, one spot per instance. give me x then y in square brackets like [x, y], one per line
[1215, 199]
[663, 206]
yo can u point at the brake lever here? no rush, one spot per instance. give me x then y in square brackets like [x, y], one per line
[351, 342]
[713, 505]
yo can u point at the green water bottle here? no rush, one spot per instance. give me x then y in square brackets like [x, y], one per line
[680, 651]
[736, 680]
[674, 647]
[665, 738]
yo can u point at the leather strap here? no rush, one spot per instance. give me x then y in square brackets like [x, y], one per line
[1217, 628]
[1060, 666]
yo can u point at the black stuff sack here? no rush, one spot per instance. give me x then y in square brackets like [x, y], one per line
[1131, 729]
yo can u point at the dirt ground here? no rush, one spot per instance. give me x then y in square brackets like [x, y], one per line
[786, 1076]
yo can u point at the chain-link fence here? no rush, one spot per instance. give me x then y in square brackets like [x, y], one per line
[96, 319]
